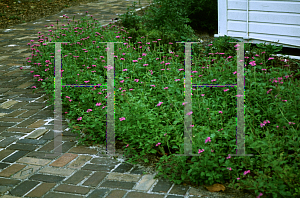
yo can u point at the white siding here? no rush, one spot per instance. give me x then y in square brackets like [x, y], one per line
[260, 21]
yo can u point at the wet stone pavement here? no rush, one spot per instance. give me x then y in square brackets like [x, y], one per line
[26, 132]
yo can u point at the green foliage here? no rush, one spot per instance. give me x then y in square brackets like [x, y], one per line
[221, 44]
[159, 129]
[130, 20]
[203, 14]
[268, 48]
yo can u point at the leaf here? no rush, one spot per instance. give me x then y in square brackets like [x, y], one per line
[215, 188]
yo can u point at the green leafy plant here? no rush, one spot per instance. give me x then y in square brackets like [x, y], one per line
[149, 105]
[130, 20]
[202, 14]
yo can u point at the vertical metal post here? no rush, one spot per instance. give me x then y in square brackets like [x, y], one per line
[240, 102]
[57, 102]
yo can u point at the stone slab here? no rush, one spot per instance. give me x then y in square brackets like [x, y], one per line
[34, 161]
[146, 183]
[46, 178]
[37, 133]
[64, 160]
[41, 190]
[8, 104]
[57, 171]
[79, 162]
[11, 170]
[14, 157]
[26, 172]
[123, 177]
[31, 141]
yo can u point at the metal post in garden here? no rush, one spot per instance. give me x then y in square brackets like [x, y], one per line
[110, 138]
[57, 102]
[240, 133]
[188, 103]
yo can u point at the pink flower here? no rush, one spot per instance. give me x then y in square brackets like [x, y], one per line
[189, 113]
[200, 151]
[207, 140]
[159, 103]
[79, 118]
[246, 172]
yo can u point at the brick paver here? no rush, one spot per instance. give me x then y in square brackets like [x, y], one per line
[34, 161]
[95, 167]
[144, 195]
[19, 129]
[119, 185]
[9, 196]
[7, 141]
[32, 141]
[115, 193]
[63, 160]
[23, 188]
[5, 153]
[99, 193]
[72, 189]
[61, 195]
[146, 182]
[19, 105]
[24, 85]
[14, 157]
[83, 150]
[56, 171]
[28, 113]
[123, 177]
[11, 170]
[8, 104]
[46, 178]
[11, 119]
[37, 124]
[95, 179]
[15, 113]
[79, 162]
[26, 172]
[41, 155]
[41, 190]
[78, 177]
[37, 133]
[23, 147]
[26, 122]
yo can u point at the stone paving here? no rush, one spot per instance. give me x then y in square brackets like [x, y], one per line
[26, 132]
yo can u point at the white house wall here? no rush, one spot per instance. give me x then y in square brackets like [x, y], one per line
[268, 21]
